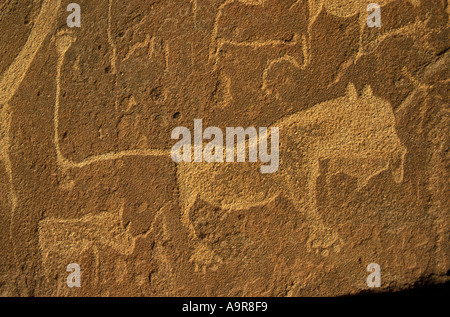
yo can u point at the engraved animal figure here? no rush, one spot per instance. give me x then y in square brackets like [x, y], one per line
[247, 36]
[67, 236]
[356, 134]
[64, 241]
[346, 8]
[246, 30]
[301, 41]
[307, 137]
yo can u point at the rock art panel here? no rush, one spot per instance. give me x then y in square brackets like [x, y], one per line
[87, 177]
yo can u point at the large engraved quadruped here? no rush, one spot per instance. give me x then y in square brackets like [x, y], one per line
[355, 133]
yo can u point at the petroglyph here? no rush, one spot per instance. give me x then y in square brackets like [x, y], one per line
[238, 35]
[218, 40]
[10, 82]
[286, 59]
[301, 40]
[344, 8]
[5, 141]
[67, 239]
[113, 55]
[86, 174]
[77, 235]
[260, 189]
[356, 134]
[63, 42]
[65, 39]
[13, 77]
[257, 194]
[94, 230]
[416, 29]
[148, 43]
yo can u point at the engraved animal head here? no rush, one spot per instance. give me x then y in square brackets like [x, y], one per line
[366, 142]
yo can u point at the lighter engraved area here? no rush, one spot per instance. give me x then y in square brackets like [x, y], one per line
[10, 82]
[355, 133]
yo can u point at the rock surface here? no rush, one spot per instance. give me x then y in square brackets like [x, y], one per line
[86, 176]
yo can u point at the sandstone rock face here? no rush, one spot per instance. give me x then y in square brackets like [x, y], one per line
[87, 177]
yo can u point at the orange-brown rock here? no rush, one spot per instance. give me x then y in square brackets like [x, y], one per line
[86, 175]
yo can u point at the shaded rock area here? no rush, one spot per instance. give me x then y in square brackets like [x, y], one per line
[87, 177]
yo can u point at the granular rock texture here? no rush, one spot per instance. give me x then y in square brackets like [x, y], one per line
[87, 176]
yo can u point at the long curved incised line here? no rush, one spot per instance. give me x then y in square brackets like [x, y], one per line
[10, 82]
